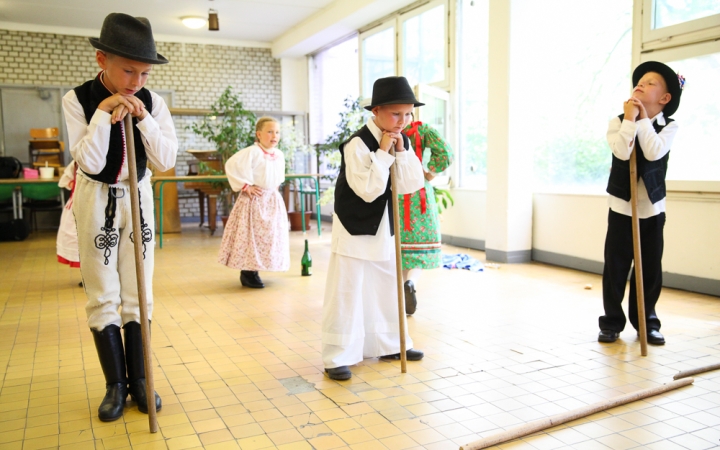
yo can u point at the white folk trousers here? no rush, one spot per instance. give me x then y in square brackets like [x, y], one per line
[108, 260]
[360, 311]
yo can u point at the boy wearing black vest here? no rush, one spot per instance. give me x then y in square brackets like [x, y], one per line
[360, 313]
[645, 125]
[94, 115]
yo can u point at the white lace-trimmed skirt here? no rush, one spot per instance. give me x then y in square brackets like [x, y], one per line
[256, 235]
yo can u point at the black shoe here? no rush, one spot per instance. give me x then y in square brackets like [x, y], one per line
[80, 284]
[410, 298]
[136, 368]
[608, 336]
[109, 346]
[339, 373]
[412, 355]
[251, 279]
[654, 337]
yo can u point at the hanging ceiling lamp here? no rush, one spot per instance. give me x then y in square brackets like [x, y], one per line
[193, 22]
[213, 23]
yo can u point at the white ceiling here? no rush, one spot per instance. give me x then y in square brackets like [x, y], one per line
[248, 21]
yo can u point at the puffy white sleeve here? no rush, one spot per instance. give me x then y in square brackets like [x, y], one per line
[410, 175]
[158, 135]
[68, 175]
[621, 137]
[655, 145]
[88, 141]
[366, 172]
[240, 167]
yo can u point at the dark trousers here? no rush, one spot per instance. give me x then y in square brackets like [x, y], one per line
[618, 262]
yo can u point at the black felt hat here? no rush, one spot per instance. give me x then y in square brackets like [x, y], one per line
[392, 91]
[671, 80]
[129, 37]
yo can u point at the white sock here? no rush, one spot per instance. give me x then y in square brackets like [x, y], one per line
[412, 275]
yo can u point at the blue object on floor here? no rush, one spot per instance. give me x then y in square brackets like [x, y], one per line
[461, 261]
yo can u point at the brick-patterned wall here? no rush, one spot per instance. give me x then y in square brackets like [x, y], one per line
[197, 75]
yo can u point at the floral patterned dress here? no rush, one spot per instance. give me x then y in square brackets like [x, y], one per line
[419, 218]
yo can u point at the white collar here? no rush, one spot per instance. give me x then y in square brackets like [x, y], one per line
[660, 119]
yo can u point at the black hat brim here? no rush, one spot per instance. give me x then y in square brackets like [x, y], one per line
[671, 81]
[409, 101]
[95, 42]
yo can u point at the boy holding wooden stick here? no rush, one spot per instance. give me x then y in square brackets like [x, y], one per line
[645, 126]
[94, 113]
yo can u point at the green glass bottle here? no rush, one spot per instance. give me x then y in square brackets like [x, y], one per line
[306, 262]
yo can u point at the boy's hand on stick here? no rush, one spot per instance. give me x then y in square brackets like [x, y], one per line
[119, 105]
[386, 141]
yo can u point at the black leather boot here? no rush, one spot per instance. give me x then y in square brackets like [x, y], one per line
[112, 360]
[136, 368]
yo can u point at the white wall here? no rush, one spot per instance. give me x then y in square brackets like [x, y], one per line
[294, 84]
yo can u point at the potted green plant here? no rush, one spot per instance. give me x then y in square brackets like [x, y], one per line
[231, 128]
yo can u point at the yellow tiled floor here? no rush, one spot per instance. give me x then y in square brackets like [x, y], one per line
[503, 347]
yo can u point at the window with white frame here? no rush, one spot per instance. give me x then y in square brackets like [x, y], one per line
[423, 44]
[666, 13]
[377, 55]
[472, 96]
[334, 78]
[569, 81]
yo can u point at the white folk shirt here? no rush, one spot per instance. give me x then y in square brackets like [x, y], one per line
[89, 141]
[367, 175]
[621, 137]
[253, 166]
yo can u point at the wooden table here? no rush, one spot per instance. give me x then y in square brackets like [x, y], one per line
[17, 193]
[221, 178]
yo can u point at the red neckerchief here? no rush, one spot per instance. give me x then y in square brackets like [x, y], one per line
[413, 131]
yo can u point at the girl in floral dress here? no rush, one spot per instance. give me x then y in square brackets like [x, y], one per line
[256, 236]
[67, 237]
[419, 218]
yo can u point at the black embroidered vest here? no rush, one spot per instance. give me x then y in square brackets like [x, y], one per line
[90, 94]
[356, 215]
[652, 172]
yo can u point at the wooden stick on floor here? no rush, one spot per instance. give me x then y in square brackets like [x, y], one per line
[140, 271]
[558, 419]
[639, 288]
[398, 264]
[695, 371]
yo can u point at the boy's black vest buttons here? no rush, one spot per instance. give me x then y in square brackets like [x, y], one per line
[90, 94]
[356, 215]
[652, 172]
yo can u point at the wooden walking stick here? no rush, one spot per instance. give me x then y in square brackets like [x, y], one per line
[140, 271]
[578, 413]
[640, 290]
[398, 263]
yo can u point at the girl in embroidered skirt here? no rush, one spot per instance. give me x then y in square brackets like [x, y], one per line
[419, 217]
[256, 236]
[67, 237]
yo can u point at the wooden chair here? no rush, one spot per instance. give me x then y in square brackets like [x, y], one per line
[46, 147]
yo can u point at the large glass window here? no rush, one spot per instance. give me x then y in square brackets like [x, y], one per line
[569, 81]
[472, 63]
[673, 12]
[334, 78]
[423, 45]
[695, 153]
[378, 57]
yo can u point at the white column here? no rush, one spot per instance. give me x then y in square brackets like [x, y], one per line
[509, 162]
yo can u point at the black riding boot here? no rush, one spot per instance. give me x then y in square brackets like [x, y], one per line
[109, 347]
[136, 367]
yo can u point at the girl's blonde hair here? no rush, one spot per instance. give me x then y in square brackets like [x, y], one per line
[262, 121]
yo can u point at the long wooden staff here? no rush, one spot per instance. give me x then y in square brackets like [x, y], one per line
[140, 271]
[398, 263]
[639, 288]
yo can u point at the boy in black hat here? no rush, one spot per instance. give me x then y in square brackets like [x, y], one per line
[646, 126]
[360, 314]
[94, 113]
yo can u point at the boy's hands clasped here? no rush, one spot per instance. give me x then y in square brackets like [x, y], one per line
[389, 140]
[634, 109]
[119, 106]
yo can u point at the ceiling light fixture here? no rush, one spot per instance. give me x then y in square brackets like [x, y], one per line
[194, 22]
[213, 23]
